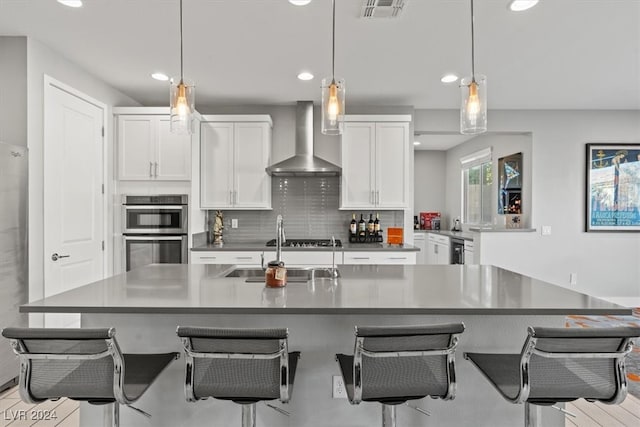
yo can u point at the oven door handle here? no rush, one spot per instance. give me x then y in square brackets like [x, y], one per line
[153, 237]
[155, 207]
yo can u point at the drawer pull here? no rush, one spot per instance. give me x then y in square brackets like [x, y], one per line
[244, 257]
[397, 257]
[207, 257]
[360, 257]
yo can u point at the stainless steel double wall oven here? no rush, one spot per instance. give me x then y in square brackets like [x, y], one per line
[154, 230]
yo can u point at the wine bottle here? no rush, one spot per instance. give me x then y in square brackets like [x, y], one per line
[370, 226]
[376, 224]
[361, 225]
[353, 227]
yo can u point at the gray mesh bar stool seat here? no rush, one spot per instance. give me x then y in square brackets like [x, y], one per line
[242, 365]
[394, 364]
[561, 365]
[82, 364]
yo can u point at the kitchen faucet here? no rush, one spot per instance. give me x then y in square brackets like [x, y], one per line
[280, 238]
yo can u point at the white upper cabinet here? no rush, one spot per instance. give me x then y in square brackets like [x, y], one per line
[375, 162]
[233, 158]
[147, 150]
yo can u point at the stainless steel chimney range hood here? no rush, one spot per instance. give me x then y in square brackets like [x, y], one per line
[303, 162]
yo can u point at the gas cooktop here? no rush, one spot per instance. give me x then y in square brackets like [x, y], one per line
[306, 243]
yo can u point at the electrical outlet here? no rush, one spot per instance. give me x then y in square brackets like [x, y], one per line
[234, 223]
[546, 230]
[339, 392]
[573, 278]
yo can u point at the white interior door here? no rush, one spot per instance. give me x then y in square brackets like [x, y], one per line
[73, 199]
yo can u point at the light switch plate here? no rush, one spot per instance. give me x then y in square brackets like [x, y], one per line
[234, 223]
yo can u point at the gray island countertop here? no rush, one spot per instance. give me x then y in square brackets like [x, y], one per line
[361, 289]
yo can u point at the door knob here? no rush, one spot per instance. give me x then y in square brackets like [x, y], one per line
[56, 257]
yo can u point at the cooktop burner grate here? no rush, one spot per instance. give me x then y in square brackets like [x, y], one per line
[306, 243]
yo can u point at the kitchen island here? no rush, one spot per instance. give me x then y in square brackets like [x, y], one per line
[496, 305]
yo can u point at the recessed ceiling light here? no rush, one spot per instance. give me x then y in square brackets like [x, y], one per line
[71, 3]
[416, 142]
[305, 76]
[160, 76]
[449, 78]
[300, 2]
[520, 5]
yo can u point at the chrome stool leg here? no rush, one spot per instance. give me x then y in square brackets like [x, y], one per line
[249, 415]
[112, 415]
[388, 415]
[530, 415]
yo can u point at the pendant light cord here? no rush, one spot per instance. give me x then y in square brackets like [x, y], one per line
[333, 48]
[473, 59]
[181, 59]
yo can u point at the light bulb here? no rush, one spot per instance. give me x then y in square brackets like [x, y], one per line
[333, 106]
[473, 102]
[182, 106]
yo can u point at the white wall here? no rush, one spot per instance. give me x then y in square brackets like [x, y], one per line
[42, 60]
[501, 145]
[13, 90]
[608, 264]
[429, 181]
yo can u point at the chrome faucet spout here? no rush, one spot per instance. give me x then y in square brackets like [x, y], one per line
[333, 258]
[280, 237]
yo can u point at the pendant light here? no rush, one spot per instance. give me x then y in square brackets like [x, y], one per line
[473, 111]
[182, 97]
[333, 92]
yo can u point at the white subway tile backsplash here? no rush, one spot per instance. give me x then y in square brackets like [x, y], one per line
[309, 206]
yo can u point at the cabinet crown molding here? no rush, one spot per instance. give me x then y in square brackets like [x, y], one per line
[262, 118]
[377, 118]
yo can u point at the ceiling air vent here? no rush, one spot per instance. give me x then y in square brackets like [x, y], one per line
[382, 8]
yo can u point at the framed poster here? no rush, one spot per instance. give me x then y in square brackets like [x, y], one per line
[613, 187]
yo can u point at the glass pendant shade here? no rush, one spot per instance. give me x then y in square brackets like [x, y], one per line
[332, 106]
[473, 111]
[182, 98]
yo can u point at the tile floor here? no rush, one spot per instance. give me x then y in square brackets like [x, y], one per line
[67, 414]
[15, 413]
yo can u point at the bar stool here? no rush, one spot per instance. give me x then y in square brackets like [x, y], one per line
[242, 365]
[85, 365]
[394, 364]
[561, 365]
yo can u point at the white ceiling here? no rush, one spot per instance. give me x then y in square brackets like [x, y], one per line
[439, 141]
[562, 54]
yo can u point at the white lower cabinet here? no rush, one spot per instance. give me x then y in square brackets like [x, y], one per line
[469, 257]
[380, 258]
[305, 258]
[420, 242]
[226, 257]
[438, 249]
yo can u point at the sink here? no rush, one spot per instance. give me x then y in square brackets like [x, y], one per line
[300, 275]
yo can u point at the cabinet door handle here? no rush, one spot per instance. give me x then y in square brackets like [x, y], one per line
[207, 257]
[235, 197]
[244, 257]
[435, 249]
[360, 257]
[150, 169]
[398, 257]
[377, 197]
[230, 197]
[156, 174]
[372, 198]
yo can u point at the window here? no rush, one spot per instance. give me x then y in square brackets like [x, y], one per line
[477, 188]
